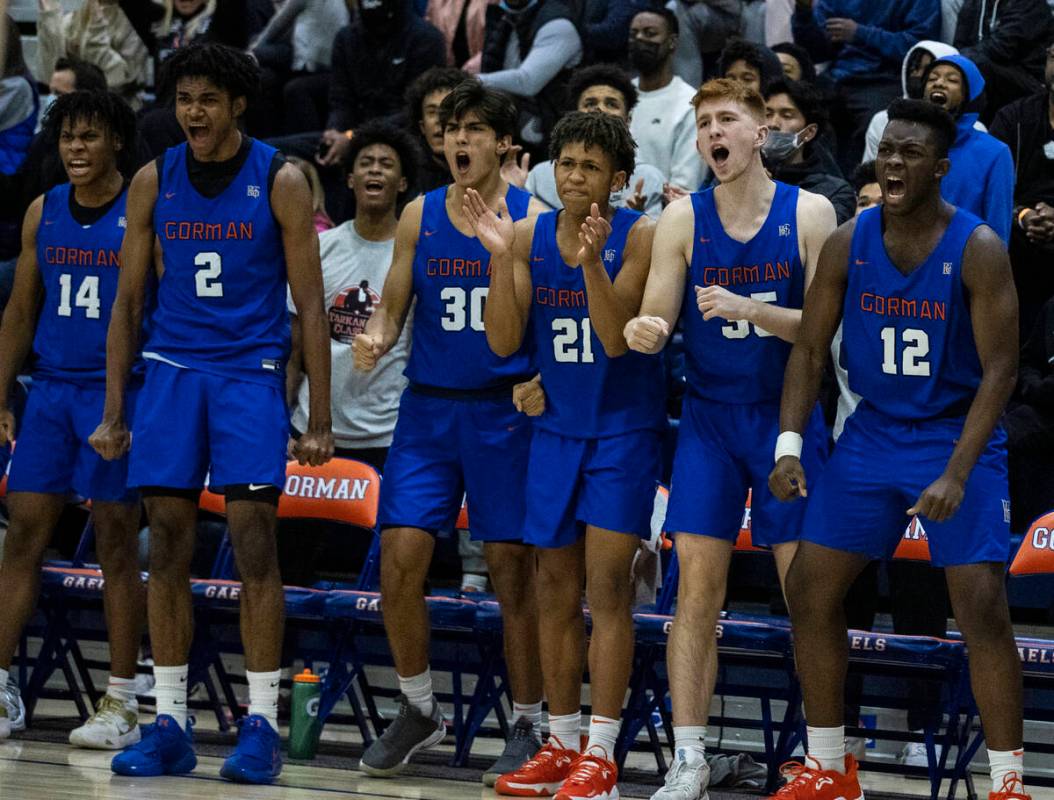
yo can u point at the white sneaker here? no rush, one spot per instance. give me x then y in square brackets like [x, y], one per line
[111, 727]
[685, 781]
[914, 754]
[12, 710]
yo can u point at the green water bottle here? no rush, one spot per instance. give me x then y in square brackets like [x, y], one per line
[304, 726]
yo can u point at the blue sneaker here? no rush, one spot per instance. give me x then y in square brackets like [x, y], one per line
[258, 756]
[165, 749]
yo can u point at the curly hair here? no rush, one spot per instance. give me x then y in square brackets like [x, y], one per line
[432, 80]
[605, 131]
[103, 107]
[863, 175]
[228, 68]
[601, 75]
[400, 140]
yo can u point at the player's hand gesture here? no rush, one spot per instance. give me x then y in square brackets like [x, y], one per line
[787, 479]
[529, 397]
[313, 449]
[646, 334]
[716, 301]
[7, 427]
[365, 350]
[940, 500]
[495, 232]
[515, 167]
[637, 200]
[593, 235]
[111, 439]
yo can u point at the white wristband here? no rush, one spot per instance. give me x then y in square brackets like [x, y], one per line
[788, 443]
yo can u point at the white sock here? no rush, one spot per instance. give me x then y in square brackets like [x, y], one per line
[566, 729]
[689, 742]
[1007, 762]
[532, 712]
[603, 733]
[123, 690]
[827, 747]
[418, 691]
[170, 689]
[263, 695]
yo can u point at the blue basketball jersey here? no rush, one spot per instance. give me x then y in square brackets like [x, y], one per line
[587, 394]
[221, 304]
[79, 267]
[733, 361]
[907, 340]
[451, 280]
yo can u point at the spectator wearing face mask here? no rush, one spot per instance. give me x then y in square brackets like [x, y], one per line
[981, 177]
[1026, 128]
[792, 154]
[663, 122]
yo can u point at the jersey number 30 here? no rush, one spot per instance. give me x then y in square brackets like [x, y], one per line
[912, 359]
[457, 301]
[206, 279]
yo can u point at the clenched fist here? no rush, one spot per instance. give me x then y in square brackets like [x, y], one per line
[646, 334]
[365, 350]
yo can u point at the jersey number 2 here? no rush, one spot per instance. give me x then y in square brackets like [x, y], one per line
[87, 296]
[206, 279]
[916, 348]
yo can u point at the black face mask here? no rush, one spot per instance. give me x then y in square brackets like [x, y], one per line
[378, 16]
[646, 57]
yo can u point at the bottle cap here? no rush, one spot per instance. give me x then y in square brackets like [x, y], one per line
[306, 677]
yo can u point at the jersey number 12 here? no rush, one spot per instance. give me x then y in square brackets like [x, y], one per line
[912, 360]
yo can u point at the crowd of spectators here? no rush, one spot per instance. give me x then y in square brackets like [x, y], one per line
[335, 72]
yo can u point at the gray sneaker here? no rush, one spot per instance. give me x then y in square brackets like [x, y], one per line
[685, 781]
[409, 732]
[12, 710]
[521, 746]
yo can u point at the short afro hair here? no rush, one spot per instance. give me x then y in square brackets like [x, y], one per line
[605, 131]
[672, 24]
[494, 108]
[106, 108]
[805, 97]
[229, 69]
[601, 75]
[86, 77]
[432, 80]
[399, 139]
[863, 175]
[935, 118]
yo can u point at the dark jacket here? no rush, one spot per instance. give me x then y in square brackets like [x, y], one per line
[887, 31]
[1006, 32]
[1024, 126]
[607, 28]
[818, 175]
[1035, 374]
[551, 102]
[371, 74]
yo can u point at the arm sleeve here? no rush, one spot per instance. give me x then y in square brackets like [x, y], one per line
[142, 16]
[687, 168]
[427, 49]
[922, 21]
[340, 89]
[556, 45]
[807, 27]
[999, 196]
[282, 22]
[103, 47]
[1015, 34]
[614, 27]
[51, 35]
[873, 136]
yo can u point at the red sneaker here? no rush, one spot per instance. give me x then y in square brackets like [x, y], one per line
[808, 782]
[592, 778]
[1013, 789]
[542, 775]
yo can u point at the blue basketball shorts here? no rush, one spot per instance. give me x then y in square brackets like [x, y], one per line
[192, 424]
[606, 482]
[53, 455]
[445, 449]
[724, 449]
[881, 465]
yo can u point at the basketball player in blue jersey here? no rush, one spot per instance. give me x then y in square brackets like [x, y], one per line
[734, 262]
[929, 318]
[233, 223]
[65, 285]
[459, 431]
[576, 277]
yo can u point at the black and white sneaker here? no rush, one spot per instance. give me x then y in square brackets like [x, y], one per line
[409, 732]
[523, 743]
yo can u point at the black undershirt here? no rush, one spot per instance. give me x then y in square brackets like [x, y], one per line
[89, 215]
[211, 178]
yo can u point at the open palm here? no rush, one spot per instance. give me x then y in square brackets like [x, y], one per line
[494, 231]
